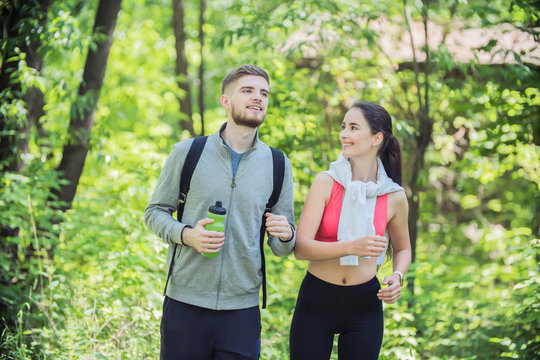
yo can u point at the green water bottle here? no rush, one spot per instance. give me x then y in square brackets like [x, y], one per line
[218, 213]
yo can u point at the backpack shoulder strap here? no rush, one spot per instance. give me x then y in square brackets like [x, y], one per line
[279, 173]
[278, 160]
[192, 158]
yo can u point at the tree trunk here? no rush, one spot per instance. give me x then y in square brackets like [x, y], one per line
[201, 66]
[16, 131]
[34, 98]
[84, 109]
[186, 112]
[423, 137]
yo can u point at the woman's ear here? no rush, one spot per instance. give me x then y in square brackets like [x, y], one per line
[378, 139]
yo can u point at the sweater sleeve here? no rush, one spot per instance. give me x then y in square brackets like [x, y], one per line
[285, 206]
[164, 201]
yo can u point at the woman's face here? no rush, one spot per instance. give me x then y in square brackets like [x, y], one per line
[355, 136]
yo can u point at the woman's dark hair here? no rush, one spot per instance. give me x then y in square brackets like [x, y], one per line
[379, 120]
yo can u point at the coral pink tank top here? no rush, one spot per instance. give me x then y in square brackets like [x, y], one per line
[330, 220]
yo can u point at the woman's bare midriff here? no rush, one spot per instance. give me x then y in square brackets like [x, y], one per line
[331, 271]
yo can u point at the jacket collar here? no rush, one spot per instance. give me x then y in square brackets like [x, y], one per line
[223, 147]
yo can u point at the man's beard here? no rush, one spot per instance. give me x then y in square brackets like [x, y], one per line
[239, 119]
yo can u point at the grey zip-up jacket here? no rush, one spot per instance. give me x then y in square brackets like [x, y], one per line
[232, 279]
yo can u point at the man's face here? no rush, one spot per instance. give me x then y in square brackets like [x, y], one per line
[247, 100]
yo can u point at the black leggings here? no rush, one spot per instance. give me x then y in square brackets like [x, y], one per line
[324, 309]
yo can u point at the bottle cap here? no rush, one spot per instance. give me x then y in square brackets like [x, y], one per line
[217, 209]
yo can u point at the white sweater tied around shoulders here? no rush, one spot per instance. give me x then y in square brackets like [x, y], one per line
[358, 209]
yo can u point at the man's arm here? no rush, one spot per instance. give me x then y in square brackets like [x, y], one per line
[164, 201]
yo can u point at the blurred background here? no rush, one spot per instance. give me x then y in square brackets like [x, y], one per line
[93, 95]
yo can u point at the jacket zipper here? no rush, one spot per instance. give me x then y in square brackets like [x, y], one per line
[227, 219]
[233, 185]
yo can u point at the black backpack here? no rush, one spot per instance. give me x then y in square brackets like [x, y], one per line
[192, 158]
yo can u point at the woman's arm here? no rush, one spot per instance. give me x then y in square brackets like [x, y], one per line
[398, 229]
[307, 248]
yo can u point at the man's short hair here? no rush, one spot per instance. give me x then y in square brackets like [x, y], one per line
[243, 70]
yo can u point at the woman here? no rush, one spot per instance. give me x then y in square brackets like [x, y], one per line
[340, 231]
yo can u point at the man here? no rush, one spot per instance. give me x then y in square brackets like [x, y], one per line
[211, 308]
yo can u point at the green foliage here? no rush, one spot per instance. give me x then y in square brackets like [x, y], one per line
[24, 206]
[86, 284]
[12, 343]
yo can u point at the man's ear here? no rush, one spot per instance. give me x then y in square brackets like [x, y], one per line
[225, 102]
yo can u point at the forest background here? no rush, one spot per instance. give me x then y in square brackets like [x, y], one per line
[93, 94]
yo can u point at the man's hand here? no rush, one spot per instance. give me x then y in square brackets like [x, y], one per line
[202, 240]
[278, 226]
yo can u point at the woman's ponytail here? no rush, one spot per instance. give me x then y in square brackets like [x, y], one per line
[390, 154]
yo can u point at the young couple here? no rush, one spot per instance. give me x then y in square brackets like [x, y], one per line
[211, 307]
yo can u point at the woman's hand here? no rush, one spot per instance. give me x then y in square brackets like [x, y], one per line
[391, 293]
[371, 245]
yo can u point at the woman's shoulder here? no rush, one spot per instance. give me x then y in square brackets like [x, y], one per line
[323, 178]
[398, 196]
[322, 185]
[397, 202]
